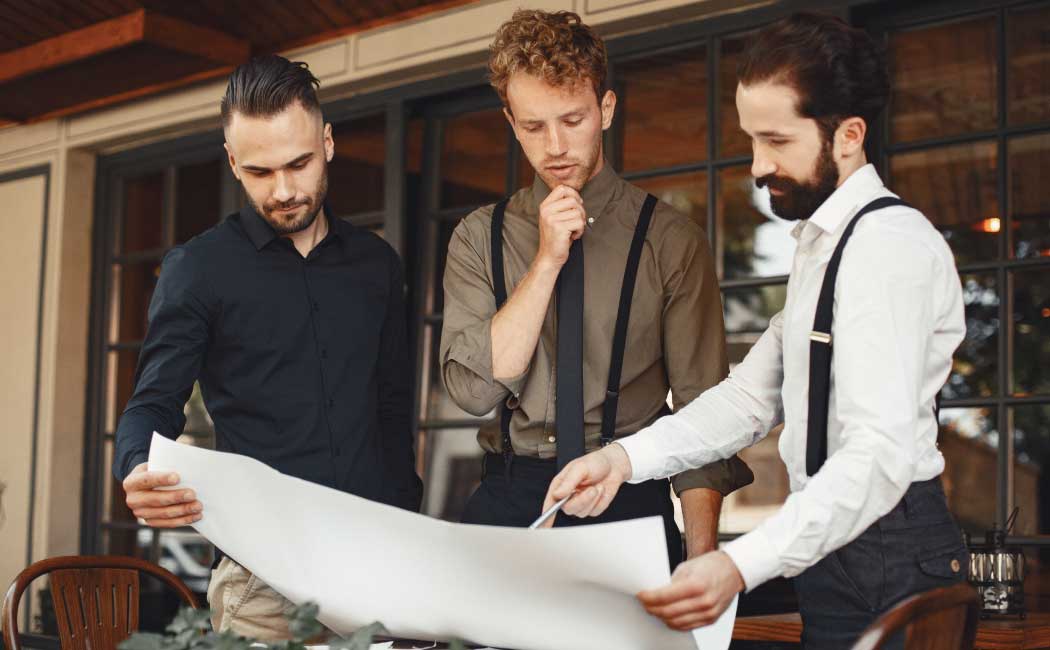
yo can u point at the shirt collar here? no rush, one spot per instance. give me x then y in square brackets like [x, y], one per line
[596, 193]
[857, 189]
[261, 233]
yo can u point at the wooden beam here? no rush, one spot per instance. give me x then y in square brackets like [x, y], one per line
[136, 27]
[73, 46]
[188, 38]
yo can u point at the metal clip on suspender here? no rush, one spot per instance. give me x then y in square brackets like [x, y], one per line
[820, 346]
[612, 393]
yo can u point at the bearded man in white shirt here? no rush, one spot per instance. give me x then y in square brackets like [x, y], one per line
[853, 374]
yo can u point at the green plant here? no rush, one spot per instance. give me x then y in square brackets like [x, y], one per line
[191, 630]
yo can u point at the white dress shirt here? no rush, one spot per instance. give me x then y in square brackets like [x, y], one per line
[898, 319]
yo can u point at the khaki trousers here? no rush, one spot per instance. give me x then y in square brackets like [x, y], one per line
[243, 603]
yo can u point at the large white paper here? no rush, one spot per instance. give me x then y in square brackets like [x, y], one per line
[423, 578]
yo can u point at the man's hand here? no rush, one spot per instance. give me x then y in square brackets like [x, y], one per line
[160, 508]
[700, 590]
[595, 478]
[562, 221]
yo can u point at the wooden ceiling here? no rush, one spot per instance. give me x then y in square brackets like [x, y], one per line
[59, 57]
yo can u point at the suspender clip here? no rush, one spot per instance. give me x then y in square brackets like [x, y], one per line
[820, 337]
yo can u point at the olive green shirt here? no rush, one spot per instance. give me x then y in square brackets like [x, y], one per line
[675, 339]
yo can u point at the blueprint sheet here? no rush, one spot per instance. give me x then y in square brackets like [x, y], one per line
[423, 578]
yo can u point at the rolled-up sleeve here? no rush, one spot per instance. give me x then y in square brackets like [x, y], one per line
[466, 335]
[694, 345]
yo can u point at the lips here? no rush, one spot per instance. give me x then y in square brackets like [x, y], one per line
[561, 170]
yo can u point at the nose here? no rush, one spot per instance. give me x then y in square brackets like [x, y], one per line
[284, 189]
[555, 142]
[761, 165]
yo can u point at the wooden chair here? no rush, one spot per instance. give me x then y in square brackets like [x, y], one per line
[939, 619]
[96, 598]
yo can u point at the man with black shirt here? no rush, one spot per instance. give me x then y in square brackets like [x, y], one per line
[294, 324]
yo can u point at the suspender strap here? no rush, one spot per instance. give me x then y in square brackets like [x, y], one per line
[623, 318]
[499, 287]
[820, 346]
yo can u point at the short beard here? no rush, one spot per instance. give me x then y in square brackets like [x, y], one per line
[586, 170]
[801, 200]
[313, 204]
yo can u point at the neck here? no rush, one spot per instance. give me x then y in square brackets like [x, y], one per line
[305, 240]
[849, 166]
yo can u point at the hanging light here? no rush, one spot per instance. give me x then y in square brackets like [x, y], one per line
[990, 225]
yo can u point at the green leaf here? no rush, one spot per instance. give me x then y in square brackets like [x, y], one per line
[189, 619]
[302, 622]
[142, 641]
[359, 640]
[456, 644]
[228, 640]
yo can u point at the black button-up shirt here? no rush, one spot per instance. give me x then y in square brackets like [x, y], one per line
[302, 362]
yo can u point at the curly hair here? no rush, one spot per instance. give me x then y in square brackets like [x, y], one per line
[554, 46]
[837, 70]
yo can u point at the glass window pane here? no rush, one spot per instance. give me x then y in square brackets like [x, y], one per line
[686, 192]
[474, 159]
[198, 198]
[940, 88]
[663, 105]
[453, 471]
[969, 440]
[133, 286]
[750, 240]
[1031, 426]
[1028, 74]
[120, 383]
[956, 188]
[356, 174]
[747, 312]
[1031, 323]
[732, 141]
[975, 366]
[1029, 164]
[143, 221]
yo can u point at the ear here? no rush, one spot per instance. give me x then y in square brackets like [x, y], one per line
[608, 106]
[849, 137]
[329, 143]
[230, 159]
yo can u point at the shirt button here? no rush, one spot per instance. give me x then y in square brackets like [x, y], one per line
[590, 219]
[551, 439]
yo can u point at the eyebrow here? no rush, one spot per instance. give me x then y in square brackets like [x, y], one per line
[563, 116]
[295, 161]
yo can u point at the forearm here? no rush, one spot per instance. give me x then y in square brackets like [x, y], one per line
[516, 327]
[701, 508]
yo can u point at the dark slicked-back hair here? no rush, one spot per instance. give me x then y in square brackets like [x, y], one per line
[266, 85]
[838, 71]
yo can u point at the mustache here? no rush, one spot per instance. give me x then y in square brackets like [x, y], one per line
[775, 182]
[288, 205]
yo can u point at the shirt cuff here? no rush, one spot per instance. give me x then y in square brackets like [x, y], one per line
[724, 477]
[755, 558]
[646, 459]
[473, 350]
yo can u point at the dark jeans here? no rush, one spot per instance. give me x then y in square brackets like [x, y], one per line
[519, 502]
[917, 546]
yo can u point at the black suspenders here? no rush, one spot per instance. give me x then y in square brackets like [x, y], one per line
[820, 346]
[623, 316]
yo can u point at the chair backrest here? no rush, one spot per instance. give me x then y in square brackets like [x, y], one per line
[939, 619]
[96, 598]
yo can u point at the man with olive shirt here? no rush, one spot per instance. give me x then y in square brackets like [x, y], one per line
[569, 361]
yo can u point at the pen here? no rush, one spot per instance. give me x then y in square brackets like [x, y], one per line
[553, 510]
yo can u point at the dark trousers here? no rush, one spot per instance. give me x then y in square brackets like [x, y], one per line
[915, 547]
[518, 502]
